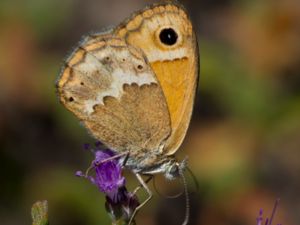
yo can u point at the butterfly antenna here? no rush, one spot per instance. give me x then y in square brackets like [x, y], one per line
[194, 179]
[187, 200]
[163, 195]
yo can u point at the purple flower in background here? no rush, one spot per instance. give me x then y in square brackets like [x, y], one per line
[260, 219]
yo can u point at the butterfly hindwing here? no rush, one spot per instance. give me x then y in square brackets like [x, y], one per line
[166, 36]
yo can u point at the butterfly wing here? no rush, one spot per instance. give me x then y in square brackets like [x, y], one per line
[111, 88]
[165, 34]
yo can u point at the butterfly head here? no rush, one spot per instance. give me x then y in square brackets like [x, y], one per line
[174, 169]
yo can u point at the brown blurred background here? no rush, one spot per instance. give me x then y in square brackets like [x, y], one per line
[244, 139]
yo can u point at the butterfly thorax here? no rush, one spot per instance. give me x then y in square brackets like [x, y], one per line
[167, 165]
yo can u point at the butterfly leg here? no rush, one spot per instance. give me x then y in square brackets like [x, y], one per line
[145, 186]
[125, 159]
[149, 177]
[126, 154]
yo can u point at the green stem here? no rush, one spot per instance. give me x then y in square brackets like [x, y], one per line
[39, 213]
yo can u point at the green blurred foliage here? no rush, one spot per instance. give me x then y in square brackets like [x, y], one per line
[244, 139]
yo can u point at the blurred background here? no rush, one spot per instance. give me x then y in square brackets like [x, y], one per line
[243, 142]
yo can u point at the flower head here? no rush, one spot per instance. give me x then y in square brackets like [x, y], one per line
[268, 221]
[107, 176]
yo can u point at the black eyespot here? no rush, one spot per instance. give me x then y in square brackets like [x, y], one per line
[168, 36]
[71, 99]
[140, 67]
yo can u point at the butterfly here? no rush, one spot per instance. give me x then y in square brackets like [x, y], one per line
[133, 87]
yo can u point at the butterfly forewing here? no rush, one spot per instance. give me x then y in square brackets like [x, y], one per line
[112, 89]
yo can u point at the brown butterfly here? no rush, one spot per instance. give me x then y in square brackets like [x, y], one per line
[133, 88]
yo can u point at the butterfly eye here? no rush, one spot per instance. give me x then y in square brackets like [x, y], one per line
[168, 36]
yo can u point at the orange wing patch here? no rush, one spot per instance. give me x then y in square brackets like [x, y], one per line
[176, 65]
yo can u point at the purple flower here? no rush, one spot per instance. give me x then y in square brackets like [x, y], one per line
[260, 219]
[107, 176]
[86, 146]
